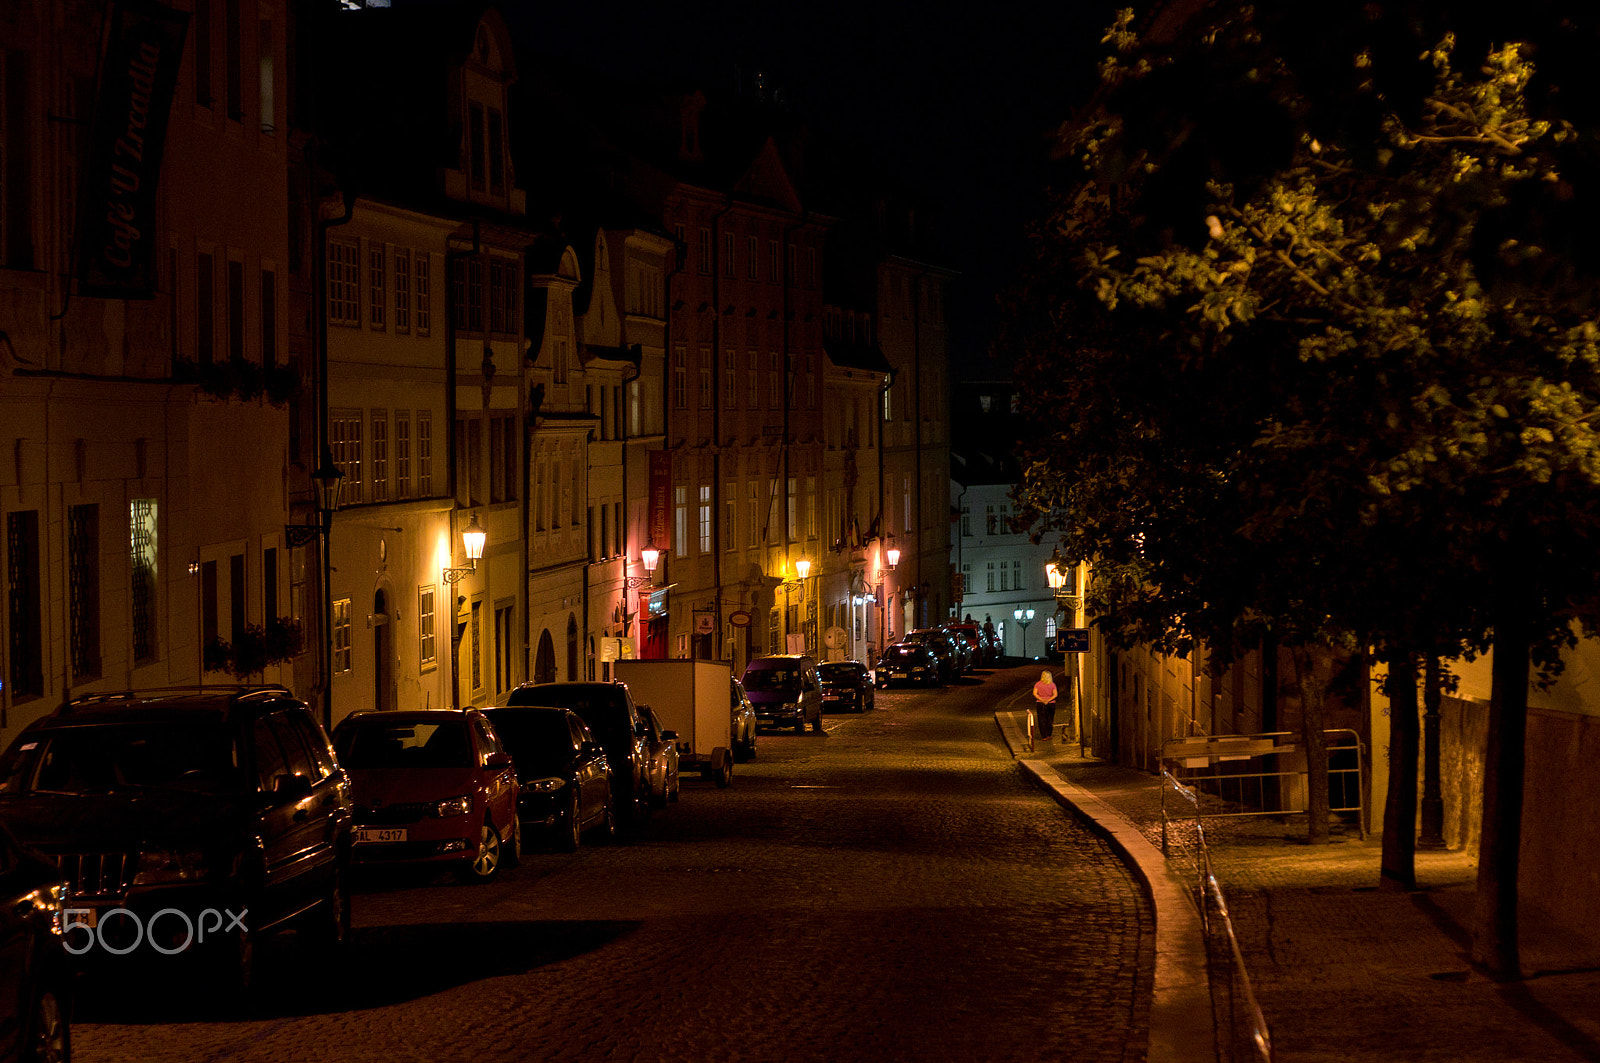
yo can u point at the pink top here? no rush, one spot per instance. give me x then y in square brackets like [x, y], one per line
[1043, 692]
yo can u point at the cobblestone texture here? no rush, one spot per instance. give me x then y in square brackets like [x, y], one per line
[891, 890]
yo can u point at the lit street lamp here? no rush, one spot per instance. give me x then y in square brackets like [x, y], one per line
[473, 538]
[1023, 617]
[649, 557]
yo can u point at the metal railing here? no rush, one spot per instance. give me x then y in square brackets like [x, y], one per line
[1255, 793]
[1237, 1016]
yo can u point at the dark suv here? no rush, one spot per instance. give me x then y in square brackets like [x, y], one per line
[609, 711]
[185, 820]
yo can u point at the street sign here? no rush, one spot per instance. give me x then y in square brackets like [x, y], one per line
[1072, 640]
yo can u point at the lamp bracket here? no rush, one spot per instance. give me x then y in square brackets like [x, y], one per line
[301, 534]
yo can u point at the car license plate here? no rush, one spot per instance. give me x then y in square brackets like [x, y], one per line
[370, 835]
[89, 917]
[897, 675]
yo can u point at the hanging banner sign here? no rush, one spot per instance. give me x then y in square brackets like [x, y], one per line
[117, 230]
[660, 518]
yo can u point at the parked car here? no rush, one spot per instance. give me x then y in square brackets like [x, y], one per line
[564, 780]
[785, 690]
[661, 747]
[34, 976]
[847, 685]
[943, 647]
[432, 786]
[228, 801]
[609, 710]
[909, 662]
[743, 722]
[969, 633]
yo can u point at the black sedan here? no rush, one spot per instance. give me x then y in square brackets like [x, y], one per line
[34, 978]
[846, 685]
[566, 783]
[910, 662]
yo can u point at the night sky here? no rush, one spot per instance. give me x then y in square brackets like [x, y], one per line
[958, 100]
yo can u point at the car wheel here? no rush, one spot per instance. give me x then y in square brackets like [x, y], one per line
[236, 962]
[724, 776]
[750, 746]
[330, 926]
[674, 787]
[800, 724]
[816, 724]
[608, 825]
[572, 831]
[486, 864]
[513, 852]
[50, 1038]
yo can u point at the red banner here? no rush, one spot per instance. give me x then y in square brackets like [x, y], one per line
[660, 520]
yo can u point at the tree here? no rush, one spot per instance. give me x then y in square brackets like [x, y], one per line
[1311, 296]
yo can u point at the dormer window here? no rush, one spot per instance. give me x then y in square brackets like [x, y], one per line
[497, 154]
[475, 159]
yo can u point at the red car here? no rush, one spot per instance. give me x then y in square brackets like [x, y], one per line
[431, 787]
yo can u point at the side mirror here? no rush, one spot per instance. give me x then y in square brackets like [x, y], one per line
[587, 749]
[669, 736]
[497, 760]
[288, 787]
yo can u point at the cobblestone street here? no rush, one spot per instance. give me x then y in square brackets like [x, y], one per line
[892, 889]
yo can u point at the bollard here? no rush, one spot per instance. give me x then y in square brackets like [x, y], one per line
[1030, 730]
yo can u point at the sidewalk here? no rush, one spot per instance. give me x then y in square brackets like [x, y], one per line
[1342, 971]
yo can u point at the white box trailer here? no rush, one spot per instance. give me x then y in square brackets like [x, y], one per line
[691, 698]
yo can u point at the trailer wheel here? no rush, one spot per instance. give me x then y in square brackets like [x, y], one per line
[725, 772]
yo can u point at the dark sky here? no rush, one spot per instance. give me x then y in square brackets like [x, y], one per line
[959, 98]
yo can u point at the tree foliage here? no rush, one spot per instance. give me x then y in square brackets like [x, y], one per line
[1310, 334]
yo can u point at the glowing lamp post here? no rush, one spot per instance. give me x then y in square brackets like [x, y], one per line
[1023, 617]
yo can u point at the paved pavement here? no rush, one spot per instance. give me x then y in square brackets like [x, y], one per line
[1343, 971]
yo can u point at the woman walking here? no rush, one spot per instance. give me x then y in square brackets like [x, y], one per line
[1044, 692]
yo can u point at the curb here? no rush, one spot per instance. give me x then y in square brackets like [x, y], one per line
[1181, 1026]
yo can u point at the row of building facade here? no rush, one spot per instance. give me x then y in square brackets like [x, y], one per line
[244, 251]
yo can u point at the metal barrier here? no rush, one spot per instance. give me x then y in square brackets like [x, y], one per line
[1246, 1023]
[1345, 787]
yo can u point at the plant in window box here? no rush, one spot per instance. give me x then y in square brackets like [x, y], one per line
[285, 639]
[248, 378]
[218, 656]
[281, 382]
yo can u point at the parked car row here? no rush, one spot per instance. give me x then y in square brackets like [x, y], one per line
[936, 656]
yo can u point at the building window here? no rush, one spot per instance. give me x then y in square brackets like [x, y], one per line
[376, 285]
[502, 458]
[343, 662]
[205, 301]
[793, 522]
[730, 380]
[402, 454]
[426, 645]
[233, 46]
[538, 492]
[469, 461]
[753, 267]
[269, 319]
[559, 359]
[475, 164]
[497, 156]
[23, 604]
[774, 381]
[811, 267]
[680, 522]
[343, 295]
[266, 83]
[680, 382]
[1016, 575]
[705, 378]
[424, 454]
[705, 250]
[811, 380]
[989, 577]
[772, 261]
[475, 645]
[502, 296]
[1049, 633]
[83, 588]
[705, 518]
[402, 291]
[753, 379]
[753, 513]
[503, 636]
[966, 522]
[380, 455]
[990, 520]
[811, 507]
[466, 278]
[424, 307]
[235, 311]
[730, 518]
[142, 568]
[202, 52]
[344, 439]
[727, 251]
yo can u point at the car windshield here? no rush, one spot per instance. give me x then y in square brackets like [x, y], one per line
[904, 653]
[595, 705]
[202, 758]
[373, 744]
[840, 673]
[538, 741]
[772, 679]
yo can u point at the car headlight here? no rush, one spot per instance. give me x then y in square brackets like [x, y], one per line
[169, 865]
[453, 806]
[791, 706]
[544, 786]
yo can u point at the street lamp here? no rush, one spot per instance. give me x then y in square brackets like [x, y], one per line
[473, 538]
[1023, 617]
[649, 557]
[328, 479]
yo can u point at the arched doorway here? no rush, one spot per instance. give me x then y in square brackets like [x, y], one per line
[572, 648]
[383, 693]
[544, 661]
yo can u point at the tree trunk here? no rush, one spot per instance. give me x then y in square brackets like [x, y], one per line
[1495, 933]
[1432, 835]
[1313, 695]
[1398, 867]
